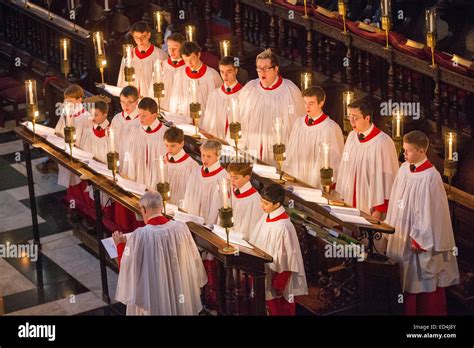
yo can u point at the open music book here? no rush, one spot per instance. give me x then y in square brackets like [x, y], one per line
[234, 236]
[348, 214]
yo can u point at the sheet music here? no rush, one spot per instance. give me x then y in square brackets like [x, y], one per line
[110, 246]
[234, 236]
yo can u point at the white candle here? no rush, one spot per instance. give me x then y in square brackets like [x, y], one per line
[398, 120]
[190, 32]
[99, 43]
[161, 166]
[278, 130]
[68, 120]
[64, 49]
[450, 147]
[128, 55]
[157, 71]
[106, 5]
[225, 195]
[158, 21]
[326, 155]
[111, 140]
[234, 109]
[193, 90]
[30, 93]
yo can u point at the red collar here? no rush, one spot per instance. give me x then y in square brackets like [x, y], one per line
[99, 133]
[275, 86]
[282, 216]
[320, 119]
[426, 165]
[200, 73]
[247, 193]
[182, 159]
[236, 88]
[371, 135]
[206, 175]
[79, 113]
[147, 53]
[158, 220]
[154, 130]
[179, 64]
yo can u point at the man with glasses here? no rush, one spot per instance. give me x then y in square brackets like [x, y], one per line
[369, 163]
[262, 100]
[144, 55]
[161, 272]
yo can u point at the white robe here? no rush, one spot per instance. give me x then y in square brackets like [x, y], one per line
[375, 163]
[169, 75]
[247, 211]
[258, 109]
[279, 240]
[202, 197]
[217, 118]
[122, 128]
[80, 121]
[162, 272]
[418, 210]
[180, 97]
[97, 146]
[143, 70]
[179, 174]
[303, 160]
[136, 165]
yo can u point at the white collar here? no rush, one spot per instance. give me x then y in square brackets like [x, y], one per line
[103, 125]
[280, 210]
[245, 187]
[178, 156]
[133, 114]
[367, 132]
[153, 126]
[315, 118]
[421, 162]
[231, 86]
[274, 82]
[214, 167]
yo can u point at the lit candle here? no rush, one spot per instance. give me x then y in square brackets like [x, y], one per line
[225, 193]
[306, 80]
[190, 29]
[68, 119]
[64, 49]
[225, 48]
[385, 8]
[158, 15]
[106, 5]
[157, 71]
[193, 90]
[30, 93]
[161, 166]
[326, 148]
[450, 146]
[111, 140]
[234, 109]
[278, 130]
[99, 43]
[305, 8]
[398, 120]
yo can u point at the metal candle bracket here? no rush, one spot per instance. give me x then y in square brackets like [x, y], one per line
[226, 221]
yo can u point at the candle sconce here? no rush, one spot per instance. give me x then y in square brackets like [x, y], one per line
[225, 215]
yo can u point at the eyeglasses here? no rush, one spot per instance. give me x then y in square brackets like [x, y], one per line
[140, 38]
[265, 69]
[127, 102]
[353, 118]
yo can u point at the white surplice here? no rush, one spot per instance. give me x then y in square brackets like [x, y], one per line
[246, 209]
[179, 173]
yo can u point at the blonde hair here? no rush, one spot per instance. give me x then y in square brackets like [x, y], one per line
[268, 54]
[212, 145]
[74, 91]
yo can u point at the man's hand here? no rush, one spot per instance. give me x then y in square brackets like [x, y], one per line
[118, 237]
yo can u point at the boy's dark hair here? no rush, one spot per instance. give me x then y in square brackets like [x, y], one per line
[240, 168]
[417, 138]
[315, 91]
[102, 106]
[177, 37]
[273, 193]
[174, 135]
[227, 60]
[140, 27]
[148, 104]
[130, 91]
[189, 47]
[364, 106]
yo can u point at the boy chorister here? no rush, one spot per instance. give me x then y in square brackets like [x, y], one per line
[303, 157]
[423, 242]
[202, 197]
[276, 235]
[180, 164]
[245, 198]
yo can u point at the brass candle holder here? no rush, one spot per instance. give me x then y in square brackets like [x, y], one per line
[195, 113]
[279, 155]
[129, 70]
[100, 56]
[342, 9]
[164, 189]
[129, 73]
[158, 85]
[386, 11]
[158, 20]
[227, 221]
[113, 163]
[224, 46]
[306, 80]
[397, 131]
[32, 103]
[70, 137]
[305, 3]
[450, 156]
[235, 130]
[347, 99]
